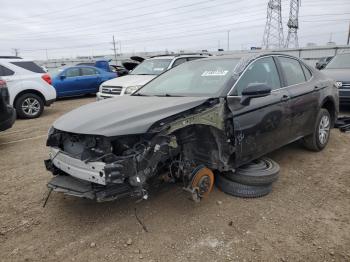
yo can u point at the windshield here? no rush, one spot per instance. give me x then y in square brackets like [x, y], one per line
[197, 78]
[339, 61]
[152, 67]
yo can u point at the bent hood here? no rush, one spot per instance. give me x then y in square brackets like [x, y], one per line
[342, 75]
[129, 80]
[124, 115]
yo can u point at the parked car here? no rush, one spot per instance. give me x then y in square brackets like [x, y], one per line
[142, 74]
[322, 62]
[339, 69]
[80, 80]
[29, 86]
[7, 112]
[211, 114]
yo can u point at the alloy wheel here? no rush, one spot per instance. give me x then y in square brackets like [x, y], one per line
[31, 106]
[323, 129]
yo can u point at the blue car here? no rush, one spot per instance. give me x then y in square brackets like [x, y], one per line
[80, 80]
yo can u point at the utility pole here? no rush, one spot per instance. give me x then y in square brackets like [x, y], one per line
[273, 33]
[120, 47]
[16, 51]
[348, 35]
[47, 56]
[228, 40]
[115, 50]
[293, 25]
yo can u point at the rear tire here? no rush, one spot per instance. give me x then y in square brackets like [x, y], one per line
[29, 106]
[260, 172]
[318, 140]
[239, 190]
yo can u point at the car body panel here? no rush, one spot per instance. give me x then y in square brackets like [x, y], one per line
[7, 112]
[115, 117]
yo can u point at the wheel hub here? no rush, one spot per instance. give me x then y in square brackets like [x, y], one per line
[202, 183]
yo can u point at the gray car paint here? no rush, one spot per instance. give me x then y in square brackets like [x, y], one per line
[340, 74]
[124, 115]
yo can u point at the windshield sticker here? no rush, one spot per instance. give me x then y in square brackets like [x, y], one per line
[215, 73]
[158, 69]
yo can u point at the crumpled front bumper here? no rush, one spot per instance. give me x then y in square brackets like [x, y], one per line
[75, 177]
[79, 188]
[88, 171]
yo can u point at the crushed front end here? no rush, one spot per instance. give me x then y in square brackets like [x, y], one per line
[181, 148]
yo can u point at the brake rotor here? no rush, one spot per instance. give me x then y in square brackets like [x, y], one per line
[202, 182]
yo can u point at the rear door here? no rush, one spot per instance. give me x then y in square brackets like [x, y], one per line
[89, 81]
[303, 91]
[264, 124]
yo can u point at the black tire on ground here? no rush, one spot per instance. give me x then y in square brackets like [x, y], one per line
[239, 190]
[29, 106]
[316, 141]
[260, 172]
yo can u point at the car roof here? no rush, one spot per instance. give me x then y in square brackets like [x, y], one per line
[179, 56]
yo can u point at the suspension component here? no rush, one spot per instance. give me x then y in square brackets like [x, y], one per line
[201, 183]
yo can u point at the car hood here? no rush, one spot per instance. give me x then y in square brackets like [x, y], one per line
[124, 115]
[129, 80]
[338, 74]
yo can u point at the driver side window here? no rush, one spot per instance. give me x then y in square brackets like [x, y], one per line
[262, 71]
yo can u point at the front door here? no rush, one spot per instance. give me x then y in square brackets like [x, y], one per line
[263, 125]
[67, 82]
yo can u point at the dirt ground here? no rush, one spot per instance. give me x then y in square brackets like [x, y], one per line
[305, 218]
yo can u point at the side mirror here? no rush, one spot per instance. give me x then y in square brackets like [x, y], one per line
[254, 90]
[320, 66]
[62, 77]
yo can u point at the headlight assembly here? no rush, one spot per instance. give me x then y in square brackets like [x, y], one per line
[131, 89]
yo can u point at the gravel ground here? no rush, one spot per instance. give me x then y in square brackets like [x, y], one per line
[305, 218]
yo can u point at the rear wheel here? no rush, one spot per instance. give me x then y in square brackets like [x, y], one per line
[29, 106]
[318, 140]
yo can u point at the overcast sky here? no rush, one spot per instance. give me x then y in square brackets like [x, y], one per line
[66, 28]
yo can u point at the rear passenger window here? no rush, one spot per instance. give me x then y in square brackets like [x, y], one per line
[262, 71]
[307, 72]
[4, 71]
[292, 71]
[72, 72]
[30, 66]
[88, 71]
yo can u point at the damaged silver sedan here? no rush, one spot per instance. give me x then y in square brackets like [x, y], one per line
[205, 116]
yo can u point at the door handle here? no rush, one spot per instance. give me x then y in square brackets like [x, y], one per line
[285, 98]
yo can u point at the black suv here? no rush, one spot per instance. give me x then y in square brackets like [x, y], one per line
[7, 113]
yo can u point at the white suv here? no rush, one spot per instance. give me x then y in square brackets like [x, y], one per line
[142, 74]
[29, 86]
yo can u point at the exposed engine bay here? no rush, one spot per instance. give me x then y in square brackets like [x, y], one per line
[182, 148]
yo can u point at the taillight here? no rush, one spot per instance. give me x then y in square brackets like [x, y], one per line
[47, 78]
[2, 83]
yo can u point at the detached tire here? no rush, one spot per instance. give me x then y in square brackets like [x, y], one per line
[318, 140]
[29, 106]
[239, 190]
[260, 172]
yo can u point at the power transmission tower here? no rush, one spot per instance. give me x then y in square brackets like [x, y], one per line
[273, 34]
[293, 25]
